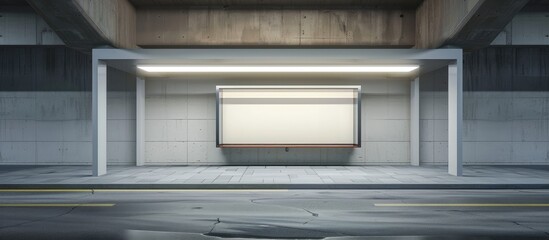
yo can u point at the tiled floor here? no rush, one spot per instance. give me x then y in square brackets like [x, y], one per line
[274, 175]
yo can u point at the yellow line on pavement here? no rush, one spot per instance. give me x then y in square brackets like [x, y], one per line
[57, 204]
[143, 190]
[461, 204]
[191, 190]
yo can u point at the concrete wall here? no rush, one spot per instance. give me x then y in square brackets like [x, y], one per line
[45, 108]
[54, 127]
[526, 28]
[120, 118]
[180, 125]
[433, 117]
[19, 25]
[505, 108]
[45, 128]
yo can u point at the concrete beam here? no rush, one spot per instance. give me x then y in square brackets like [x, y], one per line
[325, 4]
[466, 24]
[85, 24]
[487, 22]
[275, 26]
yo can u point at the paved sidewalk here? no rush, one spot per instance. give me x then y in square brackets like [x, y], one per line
[281, 176]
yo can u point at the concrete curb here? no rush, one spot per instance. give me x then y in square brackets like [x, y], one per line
[276, 186]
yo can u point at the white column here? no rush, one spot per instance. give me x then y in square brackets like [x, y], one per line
[99, 118]
[414, 122]
[455, 118]
[140, 121]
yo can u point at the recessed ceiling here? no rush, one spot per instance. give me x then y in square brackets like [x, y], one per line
[383, 4]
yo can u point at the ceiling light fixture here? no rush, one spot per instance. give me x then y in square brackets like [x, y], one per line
[278, 68]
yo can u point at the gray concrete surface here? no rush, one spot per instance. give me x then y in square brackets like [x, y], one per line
[523, 30]
[283, 175]
[499, 128]
[180, 124]
[22, 26]
[293, 214]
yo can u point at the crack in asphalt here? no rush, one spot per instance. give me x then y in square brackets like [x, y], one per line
[481, 215]
[531, 228]
[308, 221]
[304, 209]
[40, 219]
[213, 226]
[46, 218]
[313, 214]
[272, 225]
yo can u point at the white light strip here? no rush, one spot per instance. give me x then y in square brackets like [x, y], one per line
[278, 69]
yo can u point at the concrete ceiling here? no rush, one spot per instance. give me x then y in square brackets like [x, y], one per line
[382, 4]
[468, 24]
[537, 6]
[13, 3]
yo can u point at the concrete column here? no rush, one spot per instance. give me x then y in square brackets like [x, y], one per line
[140, 122]
[455, 118]
[414, 122]
[99, 118]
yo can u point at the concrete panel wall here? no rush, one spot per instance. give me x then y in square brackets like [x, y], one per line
[499, 128]
[54, 127]
[45, 128]
[45, 114]
[45, 108]
[120, 118]
[507, 127]
[180, 125]
[433, 117]
[21, 26]
[505, 108]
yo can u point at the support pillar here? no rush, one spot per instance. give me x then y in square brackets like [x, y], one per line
[99, 118]
[455, 118]
[414, 122]
[140, 121]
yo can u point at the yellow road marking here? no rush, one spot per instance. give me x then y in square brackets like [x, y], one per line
[143, 190]
[461, 204]
[57, 204]
[191, 190]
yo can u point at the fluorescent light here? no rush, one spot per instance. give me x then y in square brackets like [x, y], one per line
[278, 69]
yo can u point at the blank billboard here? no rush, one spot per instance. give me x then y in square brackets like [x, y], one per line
[288, 116]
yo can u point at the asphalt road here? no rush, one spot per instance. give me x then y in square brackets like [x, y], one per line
[291, 214]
